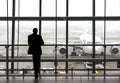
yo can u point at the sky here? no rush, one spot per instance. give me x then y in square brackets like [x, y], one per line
[76, 8]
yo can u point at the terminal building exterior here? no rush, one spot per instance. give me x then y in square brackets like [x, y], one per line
[81, 38]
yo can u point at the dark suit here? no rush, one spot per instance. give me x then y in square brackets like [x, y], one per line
[35, 41]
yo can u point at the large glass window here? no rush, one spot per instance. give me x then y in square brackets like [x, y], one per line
[79, 40]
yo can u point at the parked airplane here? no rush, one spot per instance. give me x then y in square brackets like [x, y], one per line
[86, 39]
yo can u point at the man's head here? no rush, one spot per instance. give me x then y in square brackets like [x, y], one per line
[35, 30]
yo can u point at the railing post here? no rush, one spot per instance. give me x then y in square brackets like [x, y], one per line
[23, 73]
[72, 72]
[40, 70]
[88, 73]
[7, 61]
[40, 73]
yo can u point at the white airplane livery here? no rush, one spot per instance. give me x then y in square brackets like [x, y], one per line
[86, 39]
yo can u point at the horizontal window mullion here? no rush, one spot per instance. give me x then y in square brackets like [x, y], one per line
[59, 18]
[60, 60]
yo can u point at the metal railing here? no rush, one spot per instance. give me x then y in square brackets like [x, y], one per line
[8, 59]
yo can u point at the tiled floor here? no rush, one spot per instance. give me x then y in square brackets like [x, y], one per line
[60, 80]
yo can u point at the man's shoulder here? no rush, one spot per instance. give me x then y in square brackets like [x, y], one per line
[30, 35]
[39, 35]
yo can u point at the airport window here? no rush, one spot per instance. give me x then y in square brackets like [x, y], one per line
[78, 8]
[81, 37]
[27, 10]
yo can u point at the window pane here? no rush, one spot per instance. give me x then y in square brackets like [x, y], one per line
[80, 32]
[112, 31]
[29, 8]
[48, 31]
[3, 8]
[113, 7]
[77, 28]
[80, 7]
[25, 28]
[3, 32]
[48, 8]
[99, 7]
[61, 7]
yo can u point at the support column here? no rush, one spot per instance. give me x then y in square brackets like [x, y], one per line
[93, 30]
[13, 36]
[67, 8]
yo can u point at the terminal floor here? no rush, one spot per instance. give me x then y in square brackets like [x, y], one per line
[60, 80]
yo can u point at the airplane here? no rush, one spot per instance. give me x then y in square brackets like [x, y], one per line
[86, 39]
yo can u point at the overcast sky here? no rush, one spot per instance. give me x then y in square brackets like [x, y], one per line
[76, 8]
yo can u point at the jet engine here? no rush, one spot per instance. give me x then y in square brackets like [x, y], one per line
[115, 50]
[61, 50]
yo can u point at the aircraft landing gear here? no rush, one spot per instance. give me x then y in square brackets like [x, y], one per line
[77, 51]
[73, 53]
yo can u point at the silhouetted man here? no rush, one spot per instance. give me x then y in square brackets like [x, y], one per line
[35, 41]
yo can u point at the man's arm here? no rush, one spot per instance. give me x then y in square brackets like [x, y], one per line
[29, 40]
[41, 39]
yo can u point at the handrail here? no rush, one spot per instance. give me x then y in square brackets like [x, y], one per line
[110, 18]
[62, 69]
[59, 59]
[64, 45]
